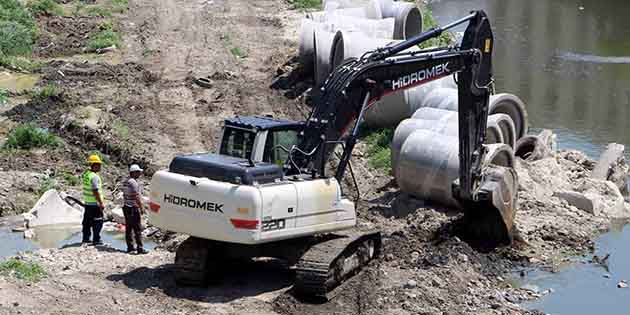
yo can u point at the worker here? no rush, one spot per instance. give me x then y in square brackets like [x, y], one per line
[93, 199]
[133, 209]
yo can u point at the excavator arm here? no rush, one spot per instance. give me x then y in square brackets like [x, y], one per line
[358, 83]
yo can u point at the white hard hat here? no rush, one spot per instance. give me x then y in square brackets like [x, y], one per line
[135, 168]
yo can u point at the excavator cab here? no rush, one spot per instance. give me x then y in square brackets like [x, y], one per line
[259, 138]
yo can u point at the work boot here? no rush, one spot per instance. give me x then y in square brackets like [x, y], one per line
[141, 251]
[130, 250]
[97, 243]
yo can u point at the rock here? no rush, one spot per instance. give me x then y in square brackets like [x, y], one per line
[389, 257]
[118, 216]
[577, 200]
[531, 287]
[622, 284]
[607, 160]
[29, 234]
[607, 276]
[50, 209]
[597, 197]
[462, 257]
[411, 284]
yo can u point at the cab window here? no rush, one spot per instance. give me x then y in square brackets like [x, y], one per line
[284, 138]
[237, 143]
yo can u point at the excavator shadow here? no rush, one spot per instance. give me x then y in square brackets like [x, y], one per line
[261, 278]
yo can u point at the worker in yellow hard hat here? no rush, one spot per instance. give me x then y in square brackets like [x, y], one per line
[93, 199]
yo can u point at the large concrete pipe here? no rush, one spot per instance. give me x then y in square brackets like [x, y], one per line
[505, 124]
[446, 125]
[323, 42]
[372, 28]
[429, 163]
[503, 103]
[407, 15]
[371, 10]
[393, 108]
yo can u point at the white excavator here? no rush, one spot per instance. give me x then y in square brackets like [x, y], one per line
[267, 193]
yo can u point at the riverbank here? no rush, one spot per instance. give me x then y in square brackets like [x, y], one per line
[139, 104]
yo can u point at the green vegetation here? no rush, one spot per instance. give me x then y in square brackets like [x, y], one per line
[378, 147]
[28, 271]
[18, 63]
[4, 95]
[45, 92]
[120, 6]
[306, 4]
[29, 136]
[18, 29]
[70, 179]
[44, 7]
[238, 53]
[98, 11]
[121, 129]
[428, 22]
[46, 185]
[106, 37]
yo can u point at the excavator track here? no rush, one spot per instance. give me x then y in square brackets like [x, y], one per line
[194, 264]
[328, 264]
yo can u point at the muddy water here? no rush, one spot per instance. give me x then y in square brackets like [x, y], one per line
[570, 62]
[17, 82]
[52, 237]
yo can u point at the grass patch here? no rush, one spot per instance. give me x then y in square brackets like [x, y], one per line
[120, 6]
[45, 92]
[18, 63]
[429, 22]
[44, 7]
[106, 37]
[29, 136]
[70, 179]
[28, 271]
[46, 185]
[18, 29]
[306, 4]
[98, 11]
[121, 129]
[238, 53]
[4, 96]
[378, 143]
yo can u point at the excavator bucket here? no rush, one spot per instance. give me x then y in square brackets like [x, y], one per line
[489, 221]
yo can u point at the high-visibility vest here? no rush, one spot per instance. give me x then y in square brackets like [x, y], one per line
[88, 194]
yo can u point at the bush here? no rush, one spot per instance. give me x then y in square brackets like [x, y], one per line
[45, 7]
[306, 4]
[106, 37]
[45, 92]
[98, 11]
[378, 147]
[28, 271]
[428, 22]
[17, 29]
[18, 63]
[29, 136]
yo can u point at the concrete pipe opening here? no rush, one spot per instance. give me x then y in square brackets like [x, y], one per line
[323, 44]
[499, 154]
[506, 127]
[408, 20]
[529, 148]
[513, 106]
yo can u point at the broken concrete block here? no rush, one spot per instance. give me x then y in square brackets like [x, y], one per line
[50, 209]
[597, 197]
[577, 200]
[608, 159]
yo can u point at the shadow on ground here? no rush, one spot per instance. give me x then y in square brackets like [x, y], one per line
[240, 279]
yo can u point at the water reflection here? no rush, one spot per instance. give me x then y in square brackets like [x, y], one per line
[568, 64]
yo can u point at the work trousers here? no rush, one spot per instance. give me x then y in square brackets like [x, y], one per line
[133, 227]
[92, 223]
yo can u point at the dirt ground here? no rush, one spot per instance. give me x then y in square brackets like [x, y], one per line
[144, 107]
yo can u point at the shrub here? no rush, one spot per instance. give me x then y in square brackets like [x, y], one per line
[28, 271]
[4, 95]
[306, 4]
[106, 37]
[45, 7]
[29, 136]
[378, 147]
[45, 92]
[17, 29]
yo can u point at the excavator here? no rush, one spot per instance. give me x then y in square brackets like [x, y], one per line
[267, 192]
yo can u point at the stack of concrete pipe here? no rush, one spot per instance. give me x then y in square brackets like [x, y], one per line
[349, 28]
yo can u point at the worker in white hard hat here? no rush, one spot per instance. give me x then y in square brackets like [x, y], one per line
[133, 209]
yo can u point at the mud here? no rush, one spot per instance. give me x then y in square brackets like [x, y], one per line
[145, 107]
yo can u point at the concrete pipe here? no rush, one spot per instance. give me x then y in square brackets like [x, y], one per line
[503, 103]
[430, 113]
[323, 44]
[505, 125]
[371, 10]
[372, 28]
[430, 164]
[446, 125]
[393, 108]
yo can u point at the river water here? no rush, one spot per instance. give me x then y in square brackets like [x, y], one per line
[570, 62]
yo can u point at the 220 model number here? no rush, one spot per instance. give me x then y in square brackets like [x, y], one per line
[273, 225]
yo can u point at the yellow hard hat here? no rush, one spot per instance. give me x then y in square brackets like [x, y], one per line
[94, 159]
